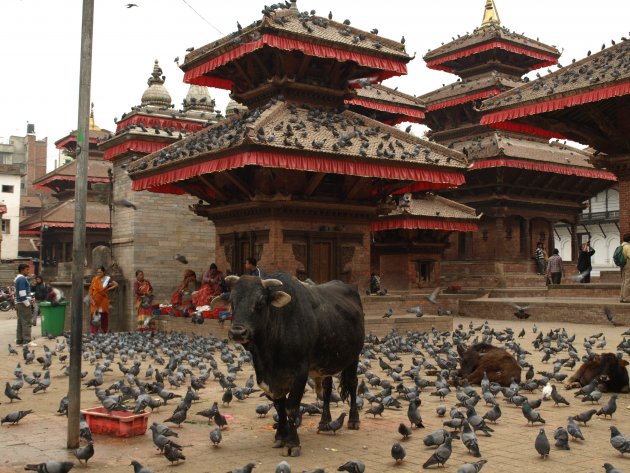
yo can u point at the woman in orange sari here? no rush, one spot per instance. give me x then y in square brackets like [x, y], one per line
[144, 296]
[99, 300]
[183, 294]
[211, 286]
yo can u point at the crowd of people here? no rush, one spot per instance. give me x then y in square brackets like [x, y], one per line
[553, 268]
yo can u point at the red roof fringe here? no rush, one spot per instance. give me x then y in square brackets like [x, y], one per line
[433, 178]
[421, 223]
[469, 98]
[196, 75]
[528, 129]
[161, 122]
[544, 167]
[397, 109]
[138, 146]
[72, 139]
[36, 226]
[58, 177]
[614, 90]
[547, 60]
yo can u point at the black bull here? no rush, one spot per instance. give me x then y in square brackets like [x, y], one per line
[294, 331]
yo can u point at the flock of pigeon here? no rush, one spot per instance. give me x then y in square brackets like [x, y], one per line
[169, 373]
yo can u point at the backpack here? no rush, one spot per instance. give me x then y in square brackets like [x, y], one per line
[618, 257]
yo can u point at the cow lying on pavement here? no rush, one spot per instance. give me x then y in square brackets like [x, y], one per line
[608, 367]
[499, 366]
[294, 331]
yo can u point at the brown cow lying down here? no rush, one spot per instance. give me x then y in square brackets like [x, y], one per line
[497, 363]
[611, 369]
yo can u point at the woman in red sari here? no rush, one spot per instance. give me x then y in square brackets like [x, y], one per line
[212, 285]
[99, 300]
[144, 295]
[183, 294]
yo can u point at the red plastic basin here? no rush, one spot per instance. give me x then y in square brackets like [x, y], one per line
[116, 423]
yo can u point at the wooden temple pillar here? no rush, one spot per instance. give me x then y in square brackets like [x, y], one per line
[574, 242]
[527, 238]
[499, 226]
[624, 203]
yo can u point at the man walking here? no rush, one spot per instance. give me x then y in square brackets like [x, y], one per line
[23, 307]
[554, 267]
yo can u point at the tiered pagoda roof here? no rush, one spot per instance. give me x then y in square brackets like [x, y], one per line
[96, 135]
[578, 101]
[63, 178]
[62, 216]
[156, 123]
[387, 105]
[293, 70]
[491, 46]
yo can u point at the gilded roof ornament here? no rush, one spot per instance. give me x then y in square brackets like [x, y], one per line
[156, 94]
[490, 15]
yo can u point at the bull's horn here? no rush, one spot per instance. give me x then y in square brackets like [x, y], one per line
[231, 279]
[271, 282]
[223, 297]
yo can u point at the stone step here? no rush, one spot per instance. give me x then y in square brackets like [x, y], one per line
[585, 290]
[581, 310]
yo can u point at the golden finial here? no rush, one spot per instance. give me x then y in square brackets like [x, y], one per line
[490, 14]
[93, 125]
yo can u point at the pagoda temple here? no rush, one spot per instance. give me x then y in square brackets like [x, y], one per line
[587, 101]
[298, 179]
[150, 229]
[53, 224]
[521, 183]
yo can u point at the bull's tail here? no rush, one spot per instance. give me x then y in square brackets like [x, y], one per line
[348, 381]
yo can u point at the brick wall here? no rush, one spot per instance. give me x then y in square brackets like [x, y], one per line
[148, 238]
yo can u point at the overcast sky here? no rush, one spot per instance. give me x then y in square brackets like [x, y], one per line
[40, 42]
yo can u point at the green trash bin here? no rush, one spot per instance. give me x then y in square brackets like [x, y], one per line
[53, 318]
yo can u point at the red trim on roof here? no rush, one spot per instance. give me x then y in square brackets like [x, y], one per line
[468, 98]
[150, 122]
[422, 223]
[169, 189]
[36, 226]
[196, 75]
[71, 139]
[528, 129]
[544, 167]
[614, 90]
[397, 109]
[348, 166]
[59, 177]
[29, 232]
[546, 59]
[134, 146]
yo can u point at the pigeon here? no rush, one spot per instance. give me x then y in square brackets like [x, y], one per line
[472, 467]
[220, 420]
[547, 391]
[574, 429]
[216, 436]
[173, 454]
[432, 298]
[436, 438]
[562, 438]
[417, 310]
[163, 430]
[10, 393]
[376, 410]
[611, 469]
[15, 417]
[520, 311]
[441, 454]
[531, 415]
[493, 414]
[85, 453]
[414, 415]
[44, 384]
[283, 467]
[125, 203]
[84, 429]
[619, 441]
[404, 431]
[610, 408]
[557, 397]
[245, 469]
[178, 417]
[398, 452]
[131, 5]
[332, 426]
[388, 313]
[353, 466]
[585, 416]
[138, 468]
[181, 258]
[542, 444]
[469, 439]
[51, 467]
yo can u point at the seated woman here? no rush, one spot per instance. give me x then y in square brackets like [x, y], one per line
[212, 285]
[144, 296]
[183, 294]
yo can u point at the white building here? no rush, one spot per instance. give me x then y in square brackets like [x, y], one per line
[10, 178]
[599, 223]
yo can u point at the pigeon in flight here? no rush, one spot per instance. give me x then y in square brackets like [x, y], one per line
[181, 258]
[125, 203]
[432, 298]
[520, 311]
[131, 5]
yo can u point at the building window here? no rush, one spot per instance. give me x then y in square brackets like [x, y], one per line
[6, 226]
[7, 189]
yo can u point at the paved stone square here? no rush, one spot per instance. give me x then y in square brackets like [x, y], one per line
[41, 436]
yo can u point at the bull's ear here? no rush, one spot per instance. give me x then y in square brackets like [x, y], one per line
[231, 279]
[223, 297]
[280, 299]
[623, 362]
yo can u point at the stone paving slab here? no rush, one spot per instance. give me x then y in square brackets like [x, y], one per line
[42, 435]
